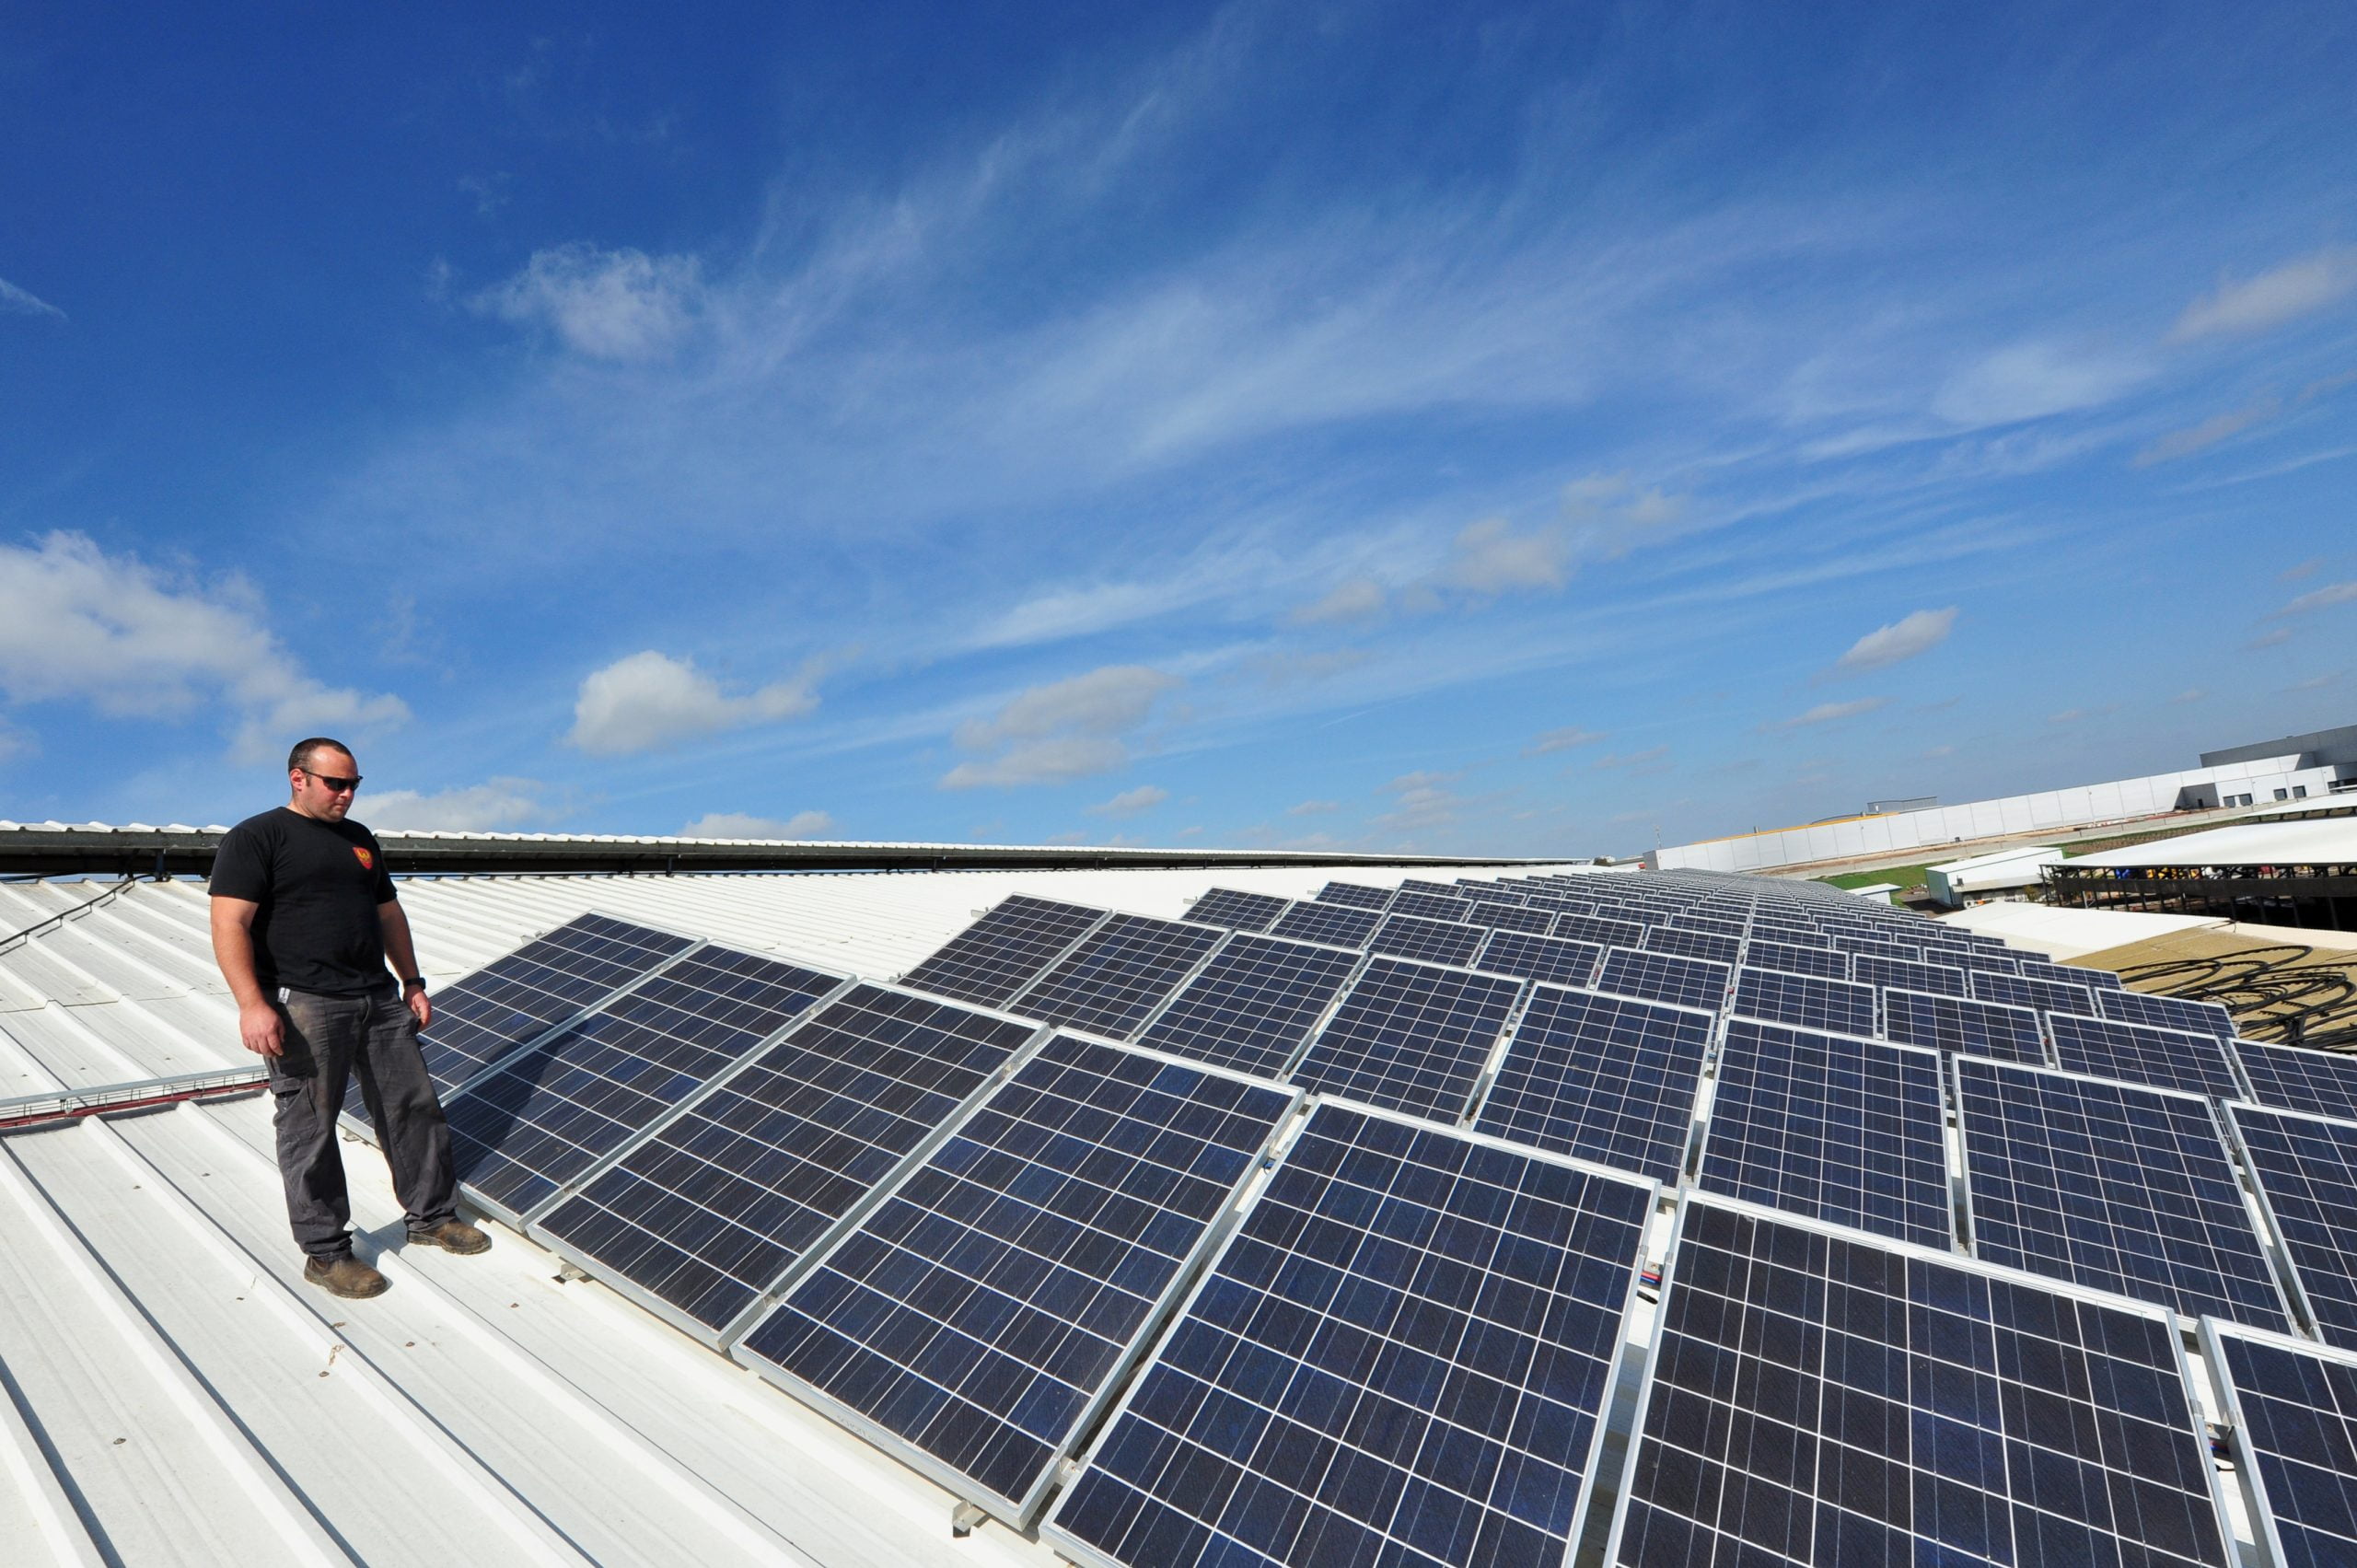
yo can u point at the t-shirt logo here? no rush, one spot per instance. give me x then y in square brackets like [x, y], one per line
[368, 860]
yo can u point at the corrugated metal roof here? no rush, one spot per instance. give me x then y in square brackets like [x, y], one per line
[2314, 840]
[177, 1395]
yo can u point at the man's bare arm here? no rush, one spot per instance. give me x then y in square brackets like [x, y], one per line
[401, 951]
[233, 949]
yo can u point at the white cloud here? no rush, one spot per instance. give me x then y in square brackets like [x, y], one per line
[1054, 761]
[1355, 599]
[620, 305]
[2208, 433]
[78, 624]
[2283, 294]
[1563, 740]
[1130, 802]
[15, 301]
[502, 804]
[1312, 808]
[1489, 558]
[651, 700]
[1421, 800]
[1288, 669]
[2031, 380]
[1829, 713]
[2269, 639]
[737, 825]
[1648, 760]
[2323, 597]
[2307, 568]
[1918, 632]
[1067, 729]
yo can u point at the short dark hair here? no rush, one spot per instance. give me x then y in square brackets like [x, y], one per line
[301, 756]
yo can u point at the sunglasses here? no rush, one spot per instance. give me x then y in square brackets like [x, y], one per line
[335, 786]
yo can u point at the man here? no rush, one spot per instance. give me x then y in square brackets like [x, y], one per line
[304, 918]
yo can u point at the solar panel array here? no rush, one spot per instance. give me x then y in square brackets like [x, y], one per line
[2293, 1408]
[961, 1231]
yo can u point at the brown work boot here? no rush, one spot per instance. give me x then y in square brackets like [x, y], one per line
[346, 1276]
[452, 1236]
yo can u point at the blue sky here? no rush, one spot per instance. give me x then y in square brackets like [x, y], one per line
[1528, 430]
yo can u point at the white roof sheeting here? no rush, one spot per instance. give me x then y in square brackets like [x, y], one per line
[179, 1396]
[2310, 841]
[2066, 934]
[2039, 853]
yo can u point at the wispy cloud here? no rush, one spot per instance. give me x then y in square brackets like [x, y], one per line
[500, 804]
[2321, 599]
[1563, 740]
[651, 700]
[15, 301]
[617, 305]
[2031, 380]
[1651, 760]
[2307, 568]
[1312, 808]
[2273, 298]
[2208, 433]
[2270, 639]
[2191, 694]
[738, 825]
[1829, 713]
[1066, 729]
[1130, 802]
[1909, 637]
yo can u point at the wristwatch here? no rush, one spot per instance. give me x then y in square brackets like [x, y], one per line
[416, 980]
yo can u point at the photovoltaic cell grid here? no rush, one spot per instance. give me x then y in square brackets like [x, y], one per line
[2306, 1167]
[1431, 906]
[2166, 1012]
[1784, 958]
[1120, 972]
[1708, 944]
[1411, 1037]
[2113, 1186]
[1603, 930]
[1540, 957]
[978, 1313]
[1828, 1399]
[2170, 1058]
[1952, 1024]
[1489, 892]
[1664, 977]
[712, 1211]
[1253, 1004]
[1434, 941]
[2295, 1410]
[2295, 1077]
[1606, 1078]
[1847, 1130]
[1401, 1357]
[1237, 910]
[1836, 1007]
[1355, 895]
[538, 985]
[999, 954]
[1897, 973]
[541, 1119]
[2021, 990]
[1335, 925]
[2038, 966]
[1511, 917]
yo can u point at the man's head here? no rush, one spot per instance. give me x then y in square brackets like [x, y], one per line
[324, 776]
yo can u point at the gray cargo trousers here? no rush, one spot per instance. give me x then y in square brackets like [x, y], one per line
[330, 1041]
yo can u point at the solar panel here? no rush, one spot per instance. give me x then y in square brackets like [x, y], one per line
[538, 985]
[2307, 1170]
[1434, 941]
[978, 1316]
[999, 954]
[542, 1119]
[1875, 947]
[2098, 980]
[1848, 1130]
[1540, 957]
[1446, 889]
[2299, 1077]
[709, 1213]
[1664, 977]
[1952, 1024]
[1333, 924]
[1355, 896]
[1887, 974]
[1710, 925]
[2171, 1059]
[1431, 906]
[1511, 917]
[2115, 1186]
[1694, 944]
[1120, 973]
[1602, 930]
[1402, 1357]
[1784, 958]
[1237, 910]
[1606, 1078]
[2166, 1012]
[1836, 1007]
[1410, 1036]
[2293, 1410]
[2023, 990]
[1821, 1398]
[1253, 1004]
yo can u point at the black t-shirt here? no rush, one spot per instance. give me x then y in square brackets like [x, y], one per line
[319, 885]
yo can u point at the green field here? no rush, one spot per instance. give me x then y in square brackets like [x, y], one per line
[1904, 876]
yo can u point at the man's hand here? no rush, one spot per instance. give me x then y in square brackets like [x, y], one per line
[420, 1006]
[260, 1027]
